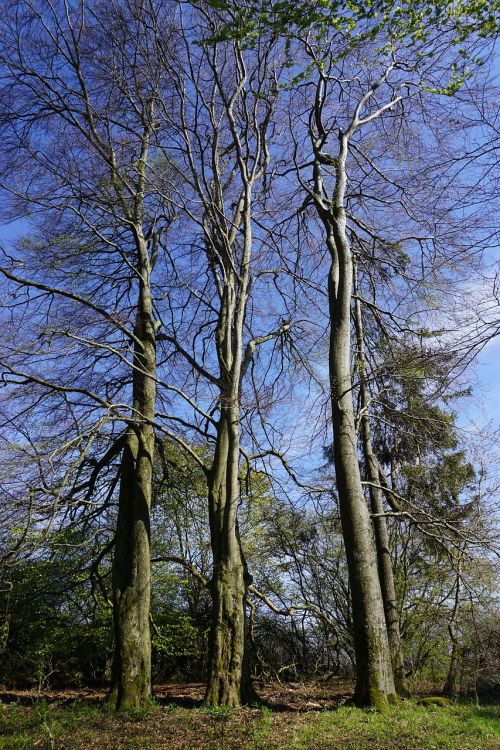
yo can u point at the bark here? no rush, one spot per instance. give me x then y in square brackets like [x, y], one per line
[374, 676]
[451, 687]
[385, 569]
[229, 682]
[131, 673]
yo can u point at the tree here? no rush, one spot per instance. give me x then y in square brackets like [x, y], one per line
[375, 682]
[80, 89]
[57, 629]
[337, 35]
[385, 567]
[118, 122]
[222, 145]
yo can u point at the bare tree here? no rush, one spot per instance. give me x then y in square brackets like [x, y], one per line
[347, 113]
[80, 90]
[226, 97]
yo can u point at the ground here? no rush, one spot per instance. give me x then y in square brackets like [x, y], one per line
[291, 717]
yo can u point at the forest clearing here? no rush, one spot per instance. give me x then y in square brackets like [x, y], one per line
[249, 430]
[297, 717]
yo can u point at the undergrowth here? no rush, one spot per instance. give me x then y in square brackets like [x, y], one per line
[408, 726]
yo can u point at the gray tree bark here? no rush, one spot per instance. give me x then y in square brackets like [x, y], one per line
[374, 675]
[229, 681]
[232, 104]
[131, 572]
[452, 686]
[385, 569]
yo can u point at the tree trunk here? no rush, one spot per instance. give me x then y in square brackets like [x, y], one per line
[385, 569]
[451, 687]
[374, 677]
[386, 576]
[131, 673]
[229, 681]
[131, 575]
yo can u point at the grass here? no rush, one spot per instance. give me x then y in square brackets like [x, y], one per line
[406, 726]
[409, 726]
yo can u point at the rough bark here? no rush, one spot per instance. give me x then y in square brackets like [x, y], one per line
[229, 679]
[385, 569]
[229, 682]
[131, 673]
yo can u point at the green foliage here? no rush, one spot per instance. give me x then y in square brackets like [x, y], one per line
[56, 631]
[175, 634]
[389, 24]
[411, 22]
[399, 18]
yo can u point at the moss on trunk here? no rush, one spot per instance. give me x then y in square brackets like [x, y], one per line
[131, 673]
[229, 682]
[131, 575]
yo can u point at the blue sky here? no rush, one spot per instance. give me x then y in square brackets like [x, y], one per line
[484, 405]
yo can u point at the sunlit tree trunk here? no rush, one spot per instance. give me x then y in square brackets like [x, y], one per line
[227, 154]
[451, 687]
[374, 676]
[385, 569]
[131, 673]
[229, 679]
[228, 675]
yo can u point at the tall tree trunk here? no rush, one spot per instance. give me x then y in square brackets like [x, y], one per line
[229, 681]
[385, 568]
[131, 673]
[374, 677]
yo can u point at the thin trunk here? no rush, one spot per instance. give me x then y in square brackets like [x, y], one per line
[384, 559]
[374, 677]
[451, 687]
[131, 673]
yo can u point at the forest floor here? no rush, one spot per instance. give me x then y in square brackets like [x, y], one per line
[292, 717]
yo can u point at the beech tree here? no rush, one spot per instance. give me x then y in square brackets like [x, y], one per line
[222, 148]
[337, 32]
[80, 91]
